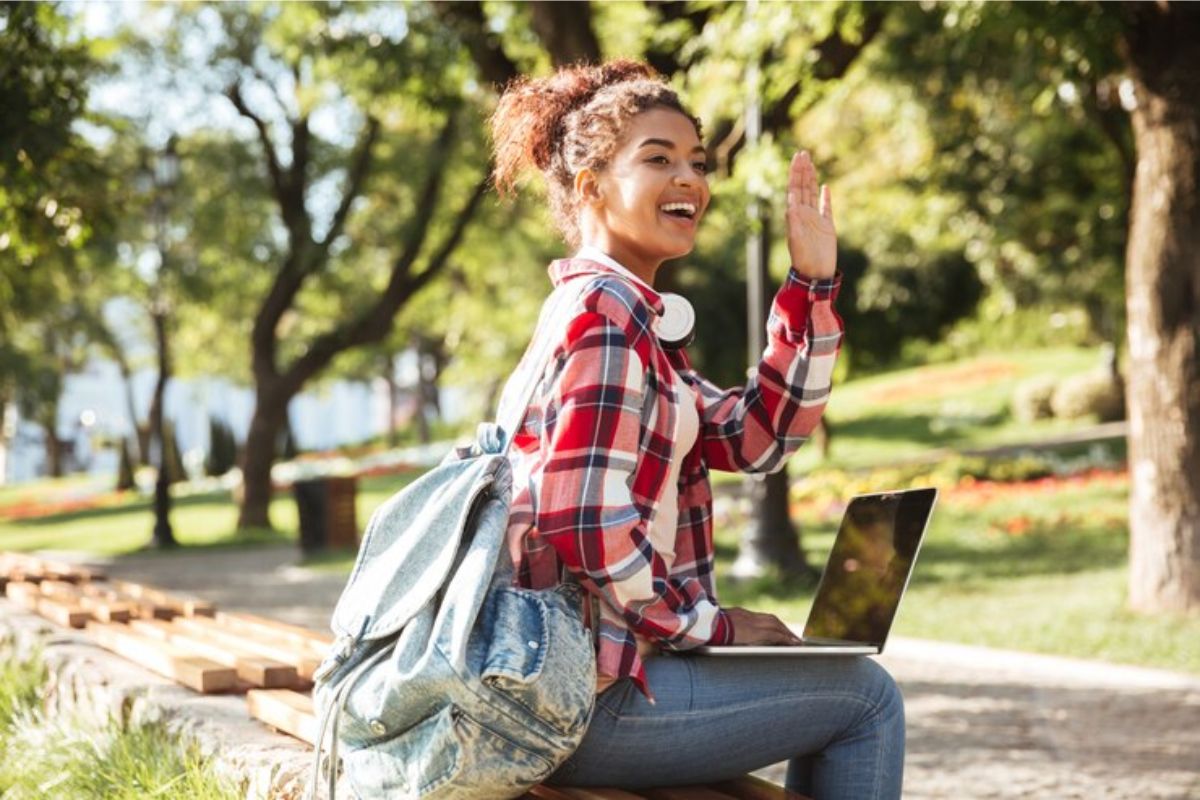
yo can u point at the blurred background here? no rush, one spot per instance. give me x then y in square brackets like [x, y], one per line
[248, 245]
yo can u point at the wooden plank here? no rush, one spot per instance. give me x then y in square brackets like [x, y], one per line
[290, 712]
[750, 787]
[251, 623]
[256, 670]
[297, 657]
[184, 605]
[107, 610]
[200, 674]
[65, 588]
[23, 593]
[581, 793]
[143, 609]
[67, 614]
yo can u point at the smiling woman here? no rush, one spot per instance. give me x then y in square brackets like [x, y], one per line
[611, 460]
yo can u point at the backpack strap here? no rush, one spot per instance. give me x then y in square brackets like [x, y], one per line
[557, 312]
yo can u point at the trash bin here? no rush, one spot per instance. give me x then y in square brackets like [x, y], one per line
[327, 515]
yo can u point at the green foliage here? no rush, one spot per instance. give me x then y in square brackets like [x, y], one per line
[125, 478]
[1097, 393]
[21, 683]
[1031, 399]
[68, 756]
[222, 448]
[1020, 104]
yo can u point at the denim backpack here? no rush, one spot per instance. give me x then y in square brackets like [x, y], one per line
[445, 680]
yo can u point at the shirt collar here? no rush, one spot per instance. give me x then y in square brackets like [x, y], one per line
[591, 260]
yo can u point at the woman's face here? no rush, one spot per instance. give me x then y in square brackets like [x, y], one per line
[649, 199]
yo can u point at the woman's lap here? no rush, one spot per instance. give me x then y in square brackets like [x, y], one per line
[717, 718]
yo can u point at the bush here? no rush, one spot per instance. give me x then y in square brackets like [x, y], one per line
[1031, 400]
[222, 448]
[1091, 393]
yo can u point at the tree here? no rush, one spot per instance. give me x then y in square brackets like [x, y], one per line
[1163, 295]
[337, 50]
[53, 198]
[1046, 142]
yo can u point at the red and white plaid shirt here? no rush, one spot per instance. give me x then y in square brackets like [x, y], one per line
[595, 448]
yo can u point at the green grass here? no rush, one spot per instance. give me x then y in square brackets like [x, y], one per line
[1055, 585]
[206, 520]
[70, 758]
[902, 414]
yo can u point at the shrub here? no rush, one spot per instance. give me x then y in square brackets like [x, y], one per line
[1091, 393]
[1031, 399]
[222, 448]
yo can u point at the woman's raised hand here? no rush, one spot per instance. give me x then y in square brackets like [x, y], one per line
[812, 239]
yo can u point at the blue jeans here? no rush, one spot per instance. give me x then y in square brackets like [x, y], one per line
[838, 721]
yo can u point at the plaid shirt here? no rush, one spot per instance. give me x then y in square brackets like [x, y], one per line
[596, 444]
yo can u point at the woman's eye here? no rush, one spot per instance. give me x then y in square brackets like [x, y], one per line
[700, 166]
[658, 160]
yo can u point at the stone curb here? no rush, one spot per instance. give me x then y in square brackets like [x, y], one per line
[100, 686]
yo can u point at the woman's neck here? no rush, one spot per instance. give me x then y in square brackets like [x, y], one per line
[644, 271]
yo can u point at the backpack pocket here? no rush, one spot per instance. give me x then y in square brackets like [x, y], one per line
[449, 756]
[540, 656]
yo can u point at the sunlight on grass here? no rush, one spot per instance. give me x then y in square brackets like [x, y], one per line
[1039, 571]
[208, 520]
[902, 414]
[67, 756]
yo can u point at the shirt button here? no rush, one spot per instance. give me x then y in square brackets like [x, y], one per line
[377, 727]
[533, 645]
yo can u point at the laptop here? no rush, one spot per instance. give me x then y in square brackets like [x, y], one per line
[863, 581]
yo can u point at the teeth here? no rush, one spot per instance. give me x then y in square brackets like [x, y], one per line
[687, 207]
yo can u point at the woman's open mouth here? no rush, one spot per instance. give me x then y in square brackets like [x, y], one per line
[681, 213]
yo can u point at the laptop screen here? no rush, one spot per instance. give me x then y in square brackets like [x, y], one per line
[868, 569]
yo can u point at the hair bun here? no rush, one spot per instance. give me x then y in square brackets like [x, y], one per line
[529, 118]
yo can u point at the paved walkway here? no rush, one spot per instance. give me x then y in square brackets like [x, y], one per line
[982, 723]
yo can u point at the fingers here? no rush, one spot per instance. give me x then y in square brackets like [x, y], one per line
[754, 628]
[803, 188]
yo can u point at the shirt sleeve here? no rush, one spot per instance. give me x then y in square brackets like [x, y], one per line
[753, 428]
[593, 504]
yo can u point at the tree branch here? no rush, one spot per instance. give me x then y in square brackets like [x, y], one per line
[469, 21]
[234, 93]
[416, 282]
[565, 30]
[360, 168]
[374, 323]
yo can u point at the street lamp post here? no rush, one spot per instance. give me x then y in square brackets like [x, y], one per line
[769, 538]
[160, 179]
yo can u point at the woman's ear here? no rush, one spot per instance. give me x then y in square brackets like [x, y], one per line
[587, 187]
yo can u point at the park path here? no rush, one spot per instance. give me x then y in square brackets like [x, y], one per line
[982, 723]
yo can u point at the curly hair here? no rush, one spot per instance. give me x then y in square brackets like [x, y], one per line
[570, 121]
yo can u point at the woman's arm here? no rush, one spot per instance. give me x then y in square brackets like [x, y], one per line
[753, 428]
[596, 491]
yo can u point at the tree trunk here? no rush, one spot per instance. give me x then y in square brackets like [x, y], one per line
[389, 377]
[270, 411]
[164, 537]
[1163, 306]
[771, 540]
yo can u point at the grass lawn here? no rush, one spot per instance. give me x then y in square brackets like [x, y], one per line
[1038, 567]
[206, 520]
[900, 415]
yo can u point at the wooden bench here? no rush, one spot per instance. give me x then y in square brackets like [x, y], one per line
[188, 640]
[745, 788]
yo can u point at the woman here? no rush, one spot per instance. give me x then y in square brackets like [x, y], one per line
[611, 462]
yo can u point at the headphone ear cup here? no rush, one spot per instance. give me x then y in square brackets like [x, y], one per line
[676, 327]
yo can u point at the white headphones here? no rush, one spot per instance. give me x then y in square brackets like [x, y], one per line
[676, 327]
